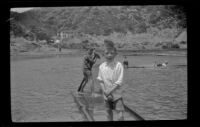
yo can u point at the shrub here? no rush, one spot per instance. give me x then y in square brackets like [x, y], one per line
[121, 45]
[65, 45]
[143, 47]
[75, 45]
[158, 44]
[107, 32]
[145, 43]
[94, 44]
[170, 45]
[183, 42]
[175, 46]
[165, 47]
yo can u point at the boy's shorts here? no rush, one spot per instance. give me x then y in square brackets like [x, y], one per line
[87, 73]
[115, 105]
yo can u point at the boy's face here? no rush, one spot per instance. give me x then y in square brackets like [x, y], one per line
[110, 54]
[91, 52]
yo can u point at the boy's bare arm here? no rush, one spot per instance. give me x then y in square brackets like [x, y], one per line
[112, 89]
[101, 82]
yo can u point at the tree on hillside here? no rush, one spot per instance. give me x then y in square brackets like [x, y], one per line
[102, 20]
[39, 33]
[16, 28]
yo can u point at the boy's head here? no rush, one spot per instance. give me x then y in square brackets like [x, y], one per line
[90, 51]
[109, 50]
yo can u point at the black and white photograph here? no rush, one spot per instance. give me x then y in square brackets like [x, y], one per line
[98, 63]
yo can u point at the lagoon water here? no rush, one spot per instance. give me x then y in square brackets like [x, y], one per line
[40, 88]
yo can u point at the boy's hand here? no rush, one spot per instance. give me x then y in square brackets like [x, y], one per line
[100, 81]
[107, 93]
[109, 97]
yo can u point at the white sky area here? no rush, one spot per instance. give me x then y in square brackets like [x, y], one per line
[20, 10]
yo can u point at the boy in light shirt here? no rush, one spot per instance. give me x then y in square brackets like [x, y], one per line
[110, 78]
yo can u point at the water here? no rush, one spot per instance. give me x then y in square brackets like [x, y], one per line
[40, 88]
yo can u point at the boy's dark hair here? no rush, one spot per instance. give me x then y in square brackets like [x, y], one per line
[90, 50]
[109, 45]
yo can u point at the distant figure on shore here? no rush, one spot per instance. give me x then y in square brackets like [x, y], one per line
[59, 45]
[125, 62]
[164, 64]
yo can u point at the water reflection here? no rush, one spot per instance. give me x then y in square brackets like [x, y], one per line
[40, 88]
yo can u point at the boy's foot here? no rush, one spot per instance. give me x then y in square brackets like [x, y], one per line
[121, 119]
[118, 115]
[81, 90]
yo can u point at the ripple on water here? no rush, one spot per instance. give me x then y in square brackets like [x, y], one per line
[40, 90]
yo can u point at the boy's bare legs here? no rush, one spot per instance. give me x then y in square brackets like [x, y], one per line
[84, 83]
[87, 75]
[119, 115]
[110, 114]
[119, 110]
[109, 110]
[81, 85]
[92, 84]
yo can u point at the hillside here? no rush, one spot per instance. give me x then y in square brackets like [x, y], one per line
[131, 27]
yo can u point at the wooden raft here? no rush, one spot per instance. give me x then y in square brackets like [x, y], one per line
[93, 107]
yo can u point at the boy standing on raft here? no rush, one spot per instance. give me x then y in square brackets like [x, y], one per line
[110, 78]
[88, 62]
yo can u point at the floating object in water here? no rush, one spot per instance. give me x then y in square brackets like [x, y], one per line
[164, 64]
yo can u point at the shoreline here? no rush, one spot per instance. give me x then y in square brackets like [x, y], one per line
[78, 52]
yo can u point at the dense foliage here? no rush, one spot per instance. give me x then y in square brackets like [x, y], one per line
[131, 27]
[97, 20]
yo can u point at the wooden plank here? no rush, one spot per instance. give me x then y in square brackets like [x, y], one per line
[95, 111]
[133, 113]
[94, 100]
[87, 105]
[95, 105]
[82, 108]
